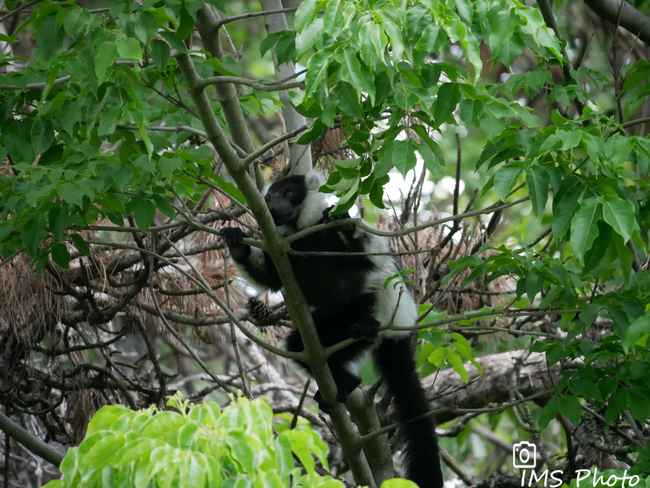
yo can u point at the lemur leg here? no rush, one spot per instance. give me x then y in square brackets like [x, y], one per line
[342, 363]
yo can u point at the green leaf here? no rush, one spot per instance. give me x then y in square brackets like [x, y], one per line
[59, 484]
[129, 49]
[398, 483]
[548, 413]
[348, 100]
[304, 14]
[538, 180]
[268, 42]
[106, 57]
[513, 47]
[584, 227]
[42, 135]
[446, 101]
[307, 37]
[404, 157]
[79, 242]
[168, 165]
[619, 214]
[71, 193]
[108, 120]
[498, 19]
[351, 69]
[146, 28]
[164, 206]
[187, 21]
[5, 228]
[569, 406]
[143, 214]
[457, 363]
[636, 330]
[317, 70]
[61, 255]
[174, 41]
[229, 188]
[332, 16]
[160, 52]
[565, 205]
[33, 233]
[506, 178]
[122, 175]
[75, 22]
[617, 404]
[470, 110]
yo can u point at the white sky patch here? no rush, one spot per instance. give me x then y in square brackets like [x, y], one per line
[446, 186]
[398, 186]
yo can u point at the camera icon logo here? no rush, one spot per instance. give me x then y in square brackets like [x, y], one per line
[524, 455]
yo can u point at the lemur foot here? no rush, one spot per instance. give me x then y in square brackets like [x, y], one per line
[365, 330]
[341, 397]
[232, 234]
[322, 404]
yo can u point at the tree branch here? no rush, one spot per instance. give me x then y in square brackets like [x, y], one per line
[30, 441]
[630, 18]
[258, 85]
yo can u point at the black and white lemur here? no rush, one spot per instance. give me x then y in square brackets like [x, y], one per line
[348, 298]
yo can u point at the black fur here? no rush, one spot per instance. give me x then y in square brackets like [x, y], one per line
[344, 305]
[394, 361]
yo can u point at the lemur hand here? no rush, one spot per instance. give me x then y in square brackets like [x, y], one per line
[327, 218]
[232, 234]
[233, 237]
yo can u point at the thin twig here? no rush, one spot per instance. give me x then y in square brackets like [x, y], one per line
[233, 333]
[294, 420]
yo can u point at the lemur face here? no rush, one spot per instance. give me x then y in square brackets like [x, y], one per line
[284, 199]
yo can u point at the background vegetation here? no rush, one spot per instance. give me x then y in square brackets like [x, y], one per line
[499, 145]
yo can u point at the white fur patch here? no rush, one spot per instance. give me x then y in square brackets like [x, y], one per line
[255, 260]
[314, 180]
[388, 300]
[312, 210]
[356, 365]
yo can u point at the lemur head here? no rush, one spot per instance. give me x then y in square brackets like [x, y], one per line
[294, 201]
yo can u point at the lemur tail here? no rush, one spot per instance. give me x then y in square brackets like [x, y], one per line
[394, 361]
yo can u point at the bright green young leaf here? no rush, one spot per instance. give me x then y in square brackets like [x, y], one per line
[398, 483]
[457, 364]
[305, 13]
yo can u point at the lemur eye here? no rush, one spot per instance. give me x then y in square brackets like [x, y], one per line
[288, 194]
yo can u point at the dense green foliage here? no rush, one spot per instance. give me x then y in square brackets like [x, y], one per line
[193, 446]
[104, 123]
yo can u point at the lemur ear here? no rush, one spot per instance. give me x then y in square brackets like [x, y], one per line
[314, 180]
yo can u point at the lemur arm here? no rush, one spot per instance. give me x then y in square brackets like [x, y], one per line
[254, 264]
